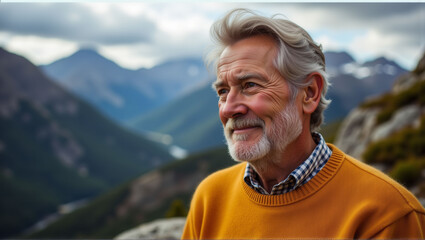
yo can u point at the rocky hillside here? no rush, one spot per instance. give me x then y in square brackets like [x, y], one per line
[165, 192]
[388, 131]
[55, 148]
[167, 228]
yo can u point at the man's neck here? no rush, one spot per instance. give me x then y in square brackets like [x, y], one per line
[276, 167]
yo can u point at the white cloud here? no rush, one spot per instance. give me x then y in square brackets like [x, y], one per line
[75, 22]
[178, 34]
[136, 34]
[367, 30]
[329, 44]
[37, 49]
[133, 57]
[405, 50]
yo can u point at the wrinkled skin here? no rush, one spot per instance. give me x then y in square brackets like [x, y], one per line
[249, 86]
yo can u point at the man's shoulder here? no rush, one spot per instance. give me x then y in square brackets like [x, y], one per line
[378, 184]
[226, 174]
[221, 179]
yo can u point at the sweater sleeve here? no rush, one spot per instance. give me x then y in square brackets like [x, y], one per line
[410, 226]
[189, 229]
[194, 217]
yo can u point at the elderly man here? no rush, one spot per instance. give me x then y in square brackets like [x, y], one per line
[271, 84]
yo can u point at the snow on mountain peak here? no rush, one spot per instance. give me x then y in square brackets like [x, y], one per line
[361, 71]
[356, 70]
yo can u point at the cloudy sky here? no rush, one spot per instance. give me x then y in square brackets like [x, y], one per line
[142, 34]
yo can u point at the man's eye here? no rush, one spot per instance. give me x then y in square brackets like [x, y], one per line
[220, 92]
[249, 84]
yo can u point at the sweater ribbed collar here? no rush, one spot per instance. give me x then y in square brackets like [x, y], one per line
[299, 176]
[312, 186]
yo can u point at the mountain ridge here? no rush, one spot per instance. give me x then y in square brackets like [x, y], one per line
[121, 93]
[55, 148]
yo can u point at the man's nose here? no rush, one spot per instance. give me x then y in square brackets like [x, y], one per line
[234, 105]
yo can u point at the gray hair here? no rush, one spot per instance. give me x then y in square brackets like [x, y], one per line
[298, 55]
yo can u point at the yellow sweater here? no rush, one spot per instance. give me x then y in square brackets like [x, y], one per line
[346, 199]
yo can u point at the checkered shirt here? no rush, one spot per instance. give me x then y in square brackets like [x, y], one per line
[301, 175]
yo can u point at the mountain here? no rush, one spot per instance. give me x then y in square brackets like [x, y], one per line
[176, 77]
[353, 82]
[192, 120]
[120, 93]
[55, 148]
[334, 60]
[143, 199]
[388, 131]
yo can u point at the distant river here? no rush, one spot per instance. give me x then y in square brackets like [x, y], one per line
[63, 209]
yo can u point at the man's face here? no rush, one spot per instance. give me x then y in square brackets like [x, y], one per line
[254, 100]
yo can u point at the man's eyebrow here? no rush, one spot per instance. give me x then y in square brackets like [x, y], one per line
[247, 76]
[217, 84]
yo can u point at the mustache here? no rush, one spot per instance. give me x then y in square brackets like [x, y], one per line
[242, 122]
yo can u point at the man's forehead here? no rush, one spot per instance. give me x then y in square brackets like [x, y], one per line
[235, 73]
[247, 52]
[226, 61]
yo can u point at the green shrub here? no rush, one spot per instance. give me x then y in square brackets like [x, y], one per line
[329, 131]
[384, 115]
[177, 209]
[407, 143]
[389, 103]
[403, 152]
[407, 172]
[381, 101]
[387, 151]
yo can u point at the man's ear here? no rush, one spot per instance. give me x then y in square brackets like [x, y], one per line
[312, 92]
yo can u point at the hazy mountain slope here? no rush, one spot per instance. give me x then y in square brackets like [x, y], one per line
[102, 83]
[141, 200]
[191, 120]
[337, 59]
[122, 93]
[55, 148]
[175, 77]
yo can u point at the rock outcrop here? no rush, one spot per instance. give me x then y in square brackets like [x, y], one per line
[360, 128]
[171, 228]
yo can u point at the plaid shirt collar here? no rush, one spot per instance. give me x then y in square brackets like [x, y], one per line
[301, 175]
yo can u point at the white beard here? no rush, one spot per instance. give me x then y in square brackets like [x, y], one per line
[285, 129]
